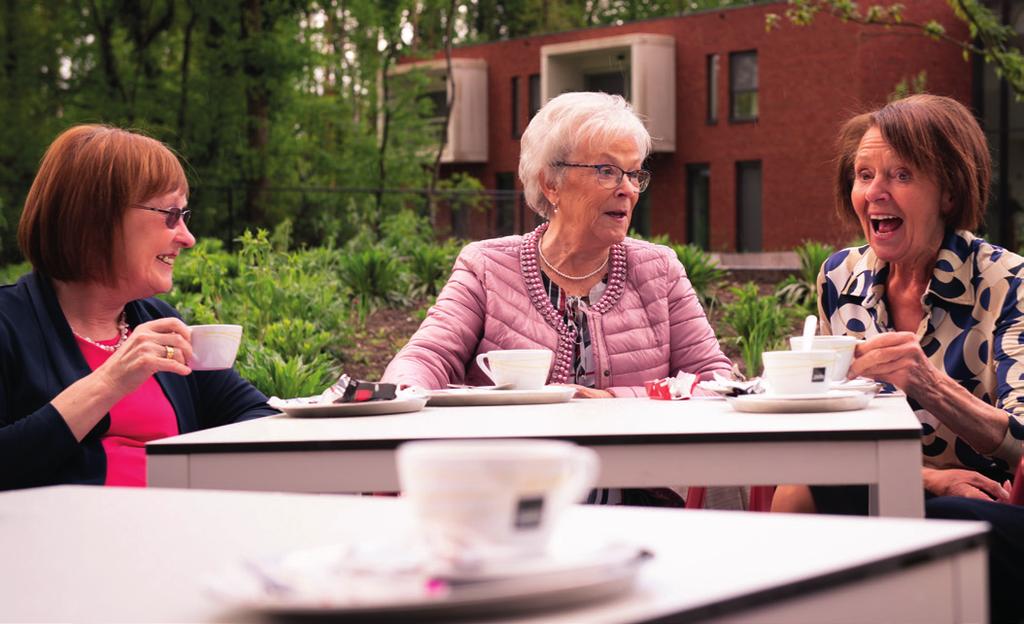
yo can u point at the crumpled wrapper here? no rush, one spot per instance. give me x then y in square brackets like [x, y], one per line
[729, 387]
[675, 388]
[349, 390]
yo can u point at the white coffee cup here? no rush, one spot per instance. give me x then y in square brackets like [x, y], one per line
[524, 369]
[484, 501]
[798, 372]
[842, 345]
[214, 347]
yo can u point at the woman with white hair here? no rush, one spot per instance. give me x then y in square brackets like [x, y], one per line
[615, 311]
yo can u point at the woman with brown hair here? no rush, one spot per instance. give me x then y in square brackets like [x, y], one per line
[91, 365]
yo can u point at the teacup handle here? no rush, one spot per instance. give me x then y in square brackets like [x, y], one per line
[486, 369]
[587, 466]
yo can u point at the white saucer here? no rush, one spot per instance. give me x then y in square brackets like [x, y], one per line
[490, 396]
[831, 401]
[860, 384]
[314, 583]
[310, 407]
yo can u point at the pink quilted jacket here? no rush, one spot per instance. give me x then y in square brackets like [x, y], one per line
[647, 325]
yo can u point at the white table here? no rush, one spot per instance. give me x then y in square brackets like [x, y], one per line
[641, 442]
[91, 554]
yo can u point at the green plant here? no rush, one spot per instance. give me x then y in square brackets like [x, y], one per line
[277, 375]
[10, 273]
[374, 278]
[801, 291]
[430, 266]
[758, 323]
[703, 271]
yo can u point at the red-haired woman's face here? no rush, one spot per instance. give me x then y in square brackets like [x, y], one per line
[900, 208]
[149, 249]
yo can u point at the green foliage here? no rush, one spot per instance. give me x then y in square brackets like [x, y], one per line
[10, 273]
[431, 265]
[758, 323]
[374, 278]
[990, 39]
[906, 87]
[801, 291]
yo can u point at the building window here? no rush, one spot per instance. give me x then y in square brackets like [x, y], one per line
[505, 203]
[748, 205]
[698, 205]
[641, 221]
[516, 130]
[534, 94]
[712, 70]
[743, 86]
[615, 83]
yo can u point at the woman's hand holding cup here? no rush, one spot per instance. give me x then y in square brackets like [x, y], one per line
[163, 345]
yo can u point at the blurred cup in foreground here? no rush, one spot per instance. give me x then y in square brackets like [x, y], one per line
[523, 369]
[798, 372]
[842, 345]
[214, 347]
[484, 501]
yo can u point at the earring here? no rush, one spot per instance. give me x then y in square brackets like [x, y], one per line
[554, 209]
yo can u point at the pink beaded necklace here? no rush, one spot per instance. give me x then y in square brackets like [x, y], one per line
[562, 371]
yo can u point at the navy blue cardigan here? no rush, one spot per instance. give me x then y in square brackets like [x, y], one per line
[39, 358]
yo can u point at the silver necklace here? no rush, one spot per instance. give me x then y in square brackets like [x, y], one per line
[122, 330]
[569, 277]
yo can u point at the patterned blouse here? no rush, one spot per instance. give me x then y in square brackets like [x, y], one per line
[973, 329]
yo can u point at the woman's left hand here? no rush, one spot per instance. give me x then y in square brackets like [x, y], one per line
[582, 392]
[895, 358]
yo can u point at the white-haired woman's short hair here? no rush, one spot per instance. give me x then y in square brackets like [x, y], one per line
[561, 126]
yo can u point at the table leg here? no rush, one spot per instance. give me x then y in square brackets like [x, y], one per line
[899, 491]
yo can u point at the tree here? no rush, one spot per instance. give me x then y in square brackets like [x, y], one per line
[990, 38]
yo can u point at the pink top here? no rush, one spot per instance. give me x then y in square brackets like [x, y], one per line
[137, 418]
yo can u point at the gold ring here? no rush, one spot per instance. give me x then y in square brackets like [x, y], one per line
[170, 352]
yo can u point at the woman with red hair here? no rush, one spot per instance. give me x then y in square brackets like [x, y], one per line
[91, 365]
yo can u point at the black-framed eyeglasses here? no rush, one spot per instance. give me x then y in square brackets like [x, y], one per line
[171, 215]
[610, 176]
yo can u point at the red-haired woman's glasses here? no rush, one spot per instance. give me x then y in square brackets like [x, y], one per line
[171, 215]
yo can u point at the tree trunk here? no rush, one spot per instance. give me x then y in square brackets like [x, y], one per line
[450, 89]
[257, 105]
[186, 56]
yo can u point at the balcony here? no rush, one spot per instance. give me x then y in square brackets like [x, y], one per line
[467, 128]
[640, 67]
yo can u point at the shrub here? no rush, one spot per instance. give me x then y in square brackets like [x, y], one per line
[801, 291]
[10, 273]
[758, 322]
[431, 265]
[374, 278]
[703, 271]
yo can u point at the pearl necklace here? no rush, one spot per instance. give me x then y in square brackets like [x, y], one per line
[576, 278]
[122, 330]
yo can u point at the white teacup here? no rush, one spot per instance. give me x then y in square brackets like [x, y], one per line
[842, 345]
[214, 347]
[484, 501]
[523, 369]
[798, 372]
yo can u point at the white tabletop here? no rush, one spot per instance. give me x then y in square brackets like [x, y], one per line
[641, 443]
[593, 421]
[90, 554]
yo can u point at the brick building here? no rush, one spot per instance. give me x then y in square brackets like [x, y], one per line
[744, 119]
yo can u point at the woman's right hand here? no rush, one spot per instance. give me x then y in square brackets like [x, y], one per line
[145, 353]
[966, 483]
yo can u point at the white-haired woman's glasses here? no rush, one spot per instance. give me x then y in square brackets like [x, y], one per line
[610, 176]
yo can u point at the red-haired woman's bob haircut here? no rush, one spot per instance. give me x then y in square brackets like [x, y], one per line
[935, 134]
[88, 178]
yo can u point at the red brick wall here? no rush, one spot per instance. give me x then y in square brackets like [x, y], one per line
[810, 80]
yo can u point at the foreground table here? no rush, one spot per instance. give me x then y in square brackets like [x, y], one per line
[90, 554]
[642, 443]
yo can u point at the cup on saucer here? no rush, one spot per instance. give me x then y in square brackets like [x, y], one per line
[520, 369]
[842, 345]
[798, 372]
[481, 502]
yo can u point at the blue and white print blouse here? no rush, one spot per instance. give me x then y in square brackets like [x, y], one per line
[973, 329]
